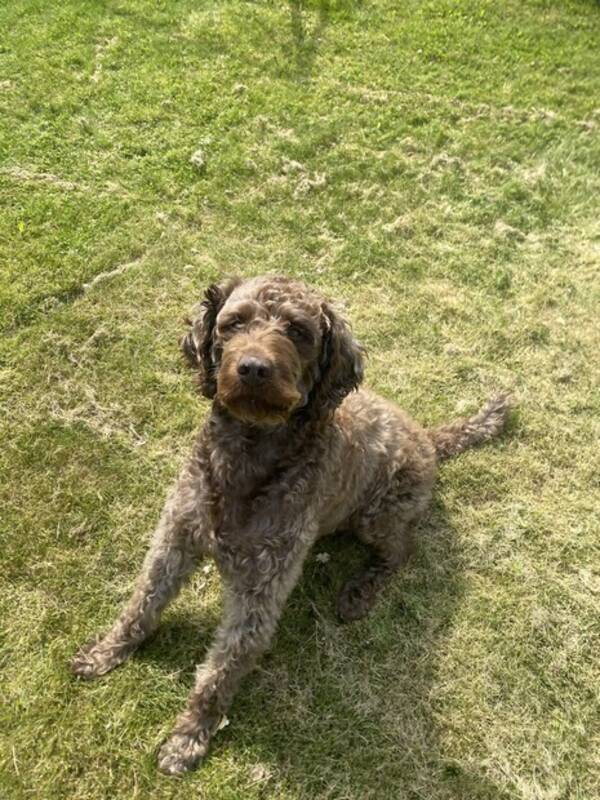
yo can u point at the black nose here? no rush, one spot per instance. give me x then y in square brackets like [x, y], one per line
[253, 370]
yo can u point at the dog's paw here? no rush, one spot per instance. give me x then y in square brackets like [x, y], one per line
[355, 601]
[182, 752]
[96, 658]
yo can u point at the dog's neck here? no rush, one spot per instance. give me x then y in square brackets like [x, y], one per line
[240, 437]
[244, 457]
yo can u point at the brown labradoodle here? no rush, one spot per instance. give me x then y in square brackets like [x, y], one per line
[290, 452]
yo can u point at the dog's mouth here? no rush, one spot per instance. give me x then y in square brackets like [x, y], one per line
[255, 411]
[267, 404]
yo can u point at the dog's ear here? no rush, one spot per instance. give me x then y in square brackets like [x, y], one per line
[341, 362]
[198, 344]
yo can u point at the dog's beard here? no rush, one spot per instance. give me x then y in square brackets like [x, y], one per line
[270, 404]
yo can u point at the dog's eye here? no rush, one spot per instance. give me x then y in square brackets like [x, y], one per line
[230, 325]
[298, 333]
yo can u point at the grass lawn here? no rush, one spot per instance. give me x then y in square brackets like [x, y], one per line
[435, 166]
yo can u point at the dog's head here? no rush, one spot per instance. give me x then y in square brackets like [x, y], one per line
[269, 347]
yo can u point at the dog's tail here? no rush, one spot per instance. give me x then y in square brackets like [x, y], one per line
[451, 439]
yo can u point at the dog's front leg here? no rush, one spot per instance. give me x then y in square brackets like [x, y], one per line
[251, 616]
[181, 538]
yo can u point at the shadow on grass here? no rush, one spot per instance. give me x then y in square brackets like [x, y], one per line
[340, 711]
[306, 36]
[179, 645]
[306, 42]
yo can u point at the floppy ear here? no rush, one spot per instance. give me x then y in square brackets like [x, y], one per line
[198, 344]
[341, 363]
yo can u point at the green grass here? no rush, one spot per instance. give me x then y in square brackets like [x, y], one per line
[436, 166]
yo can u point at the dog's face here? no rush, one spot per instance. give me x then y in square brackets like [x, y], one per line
[268, 347]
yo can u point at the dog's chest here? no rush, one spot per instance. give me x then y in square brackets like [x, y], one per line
[253, 505]
[241, 474]
[240, 469]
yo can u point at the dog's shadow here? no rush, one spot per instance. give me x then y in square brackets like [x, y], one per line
[347, 710]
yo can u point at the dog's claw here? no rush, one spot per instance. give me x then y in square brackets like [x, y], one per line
[82, 667]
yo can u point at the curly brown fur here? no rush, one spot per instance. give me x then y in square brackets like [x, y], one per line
[289, 453]
[449, 440]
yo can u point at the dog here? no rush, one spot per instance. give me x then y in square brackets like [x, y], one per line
[292, 451]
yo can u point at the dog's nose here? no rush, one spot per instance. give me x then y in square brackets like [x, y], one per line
[253, 370]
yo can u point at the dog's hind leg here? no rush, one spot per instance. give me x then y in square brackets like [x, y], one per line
[387, 529]
[359, 594]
